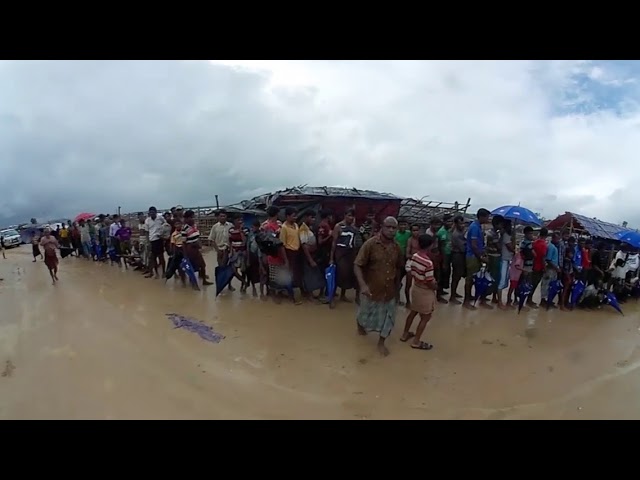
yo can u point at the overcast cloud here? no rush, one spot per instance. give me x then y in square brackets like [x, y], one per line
[93, 135]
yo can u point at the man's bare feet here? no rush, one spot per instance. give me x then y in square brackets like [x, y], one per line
[254, 293]
[384, 351]
[442, 300]
[361, 330]
[532, 305]
[231, 289]
[454, 301]
[468, 306]
[345, 299]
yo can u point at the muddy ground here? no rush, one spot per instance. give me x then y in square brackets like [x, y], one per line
[99, 346]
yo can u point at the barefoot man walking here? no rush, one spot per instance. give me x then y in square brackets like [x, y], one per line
[377, 269]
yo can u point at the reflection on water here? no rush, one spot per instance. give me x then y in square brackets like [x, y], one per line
[98, 345]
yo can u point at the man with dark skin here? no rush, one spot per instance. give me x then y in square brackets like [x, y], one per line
[377, 269]
[458, 265]
[475, 257]
[443, 236]
[343, 253]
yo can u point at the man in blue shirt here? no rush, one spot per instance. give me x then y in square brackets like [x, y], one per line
[552, 267]
[475, 256]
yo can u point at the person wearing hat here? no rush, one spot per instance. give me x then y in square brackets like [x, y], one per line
[156, 227]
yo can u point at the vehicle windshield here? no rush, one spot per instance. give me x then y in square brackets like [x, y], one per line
[8, 233]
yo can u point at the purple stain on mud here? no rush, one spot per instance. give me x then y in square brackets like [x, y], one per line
[195, 326]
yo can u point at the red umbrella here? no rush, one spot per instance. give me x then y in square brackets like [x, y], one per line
[84, 216]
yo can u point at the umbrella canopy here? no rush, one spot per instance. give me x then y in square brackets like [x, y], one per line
[555, 288]
[187, 268]
[610, 299]
[223, 276]
[630, 237]
[524, 290]
[481, 281]
[84, 216]
[577, 289]
[519, 214]
[330, 278]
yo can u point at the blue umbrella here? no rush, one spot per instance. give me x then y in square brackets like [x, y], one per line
[187, 268]
[630, 237]
[555, 288]
[482, 281]
[224, 274]
[610, 299]
[330, 278]
[524, 290]
[518, 214]
[577, 289]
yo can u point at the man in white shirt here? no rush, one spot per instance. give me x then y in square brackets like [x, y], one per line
[155, 226]
[113, 229]
[219, 238]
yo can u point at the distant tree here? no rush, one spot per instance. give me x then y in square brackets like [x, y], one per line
[34, 221]
[624, 224]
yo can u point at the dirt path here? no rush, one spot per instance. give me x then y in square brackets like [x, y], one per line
[98, 345]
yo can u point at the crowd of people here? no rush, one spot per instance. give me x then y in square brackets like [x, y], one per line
[291, 259]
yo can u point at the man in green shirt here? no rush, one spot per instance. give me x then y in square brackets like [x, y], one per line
[444, 243]
[402, 236]
[402, 239]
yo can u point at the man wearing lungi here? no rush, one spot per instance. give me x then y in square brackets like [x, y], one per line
[378, 269]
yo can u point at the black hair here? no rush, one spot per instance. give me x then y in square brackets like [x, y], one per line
[458, 218]
[435, 220]
[446, 217]
[256, 223]
[572, 239]
[188, 214]
[497, 219]
[351, 211]
[153, 209]
[415, 225]
[272, 211]
[483, 212]
[402, 220]
[221, 212]
[425, 241]
[528, 229]
[544, 232]
[308, 213]
[290, 211]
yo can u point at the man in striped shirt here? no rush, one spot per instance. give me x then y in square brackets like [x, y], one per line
[423, 293]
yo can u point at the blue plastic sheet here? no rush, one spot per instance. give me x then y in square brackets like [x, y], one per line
[195, 326]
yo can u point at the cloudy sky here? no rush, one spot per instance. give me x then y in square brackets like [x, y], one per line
[94, 135]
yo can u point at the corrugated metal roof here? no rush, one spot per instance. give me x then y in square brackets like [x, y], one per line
[336, 192]
[417, 211]
[593, 226]
[263, 201]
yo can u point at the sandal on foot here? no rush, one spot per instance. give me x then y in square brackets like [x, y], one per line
[409, 336]
[422, 346]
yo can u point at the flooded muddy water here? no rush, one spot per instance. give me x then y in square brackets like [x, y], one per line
[99, 345]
